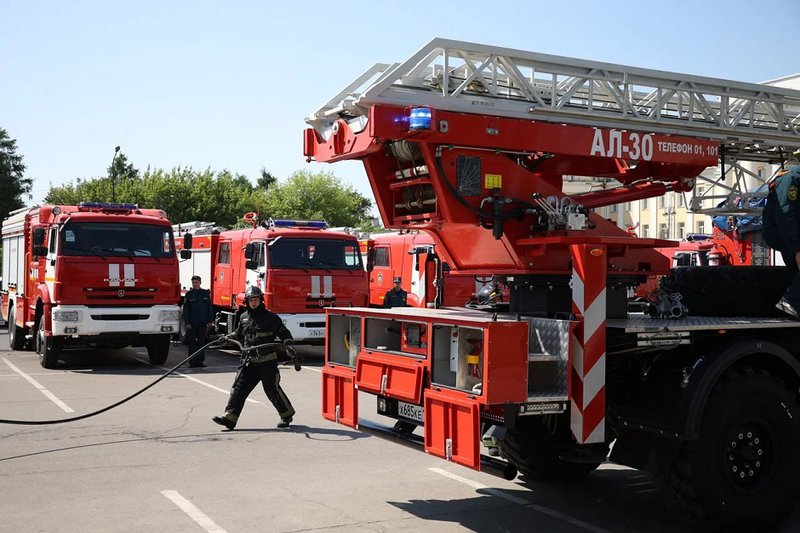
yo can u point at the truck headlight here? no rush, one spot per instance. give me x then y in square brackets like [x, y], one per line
[169, 316]
[67, 316]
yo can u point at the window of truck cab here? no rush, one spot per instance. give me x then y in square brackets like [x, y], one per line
[305, 253]
[382, 256]
[224, 253]
[116, 239]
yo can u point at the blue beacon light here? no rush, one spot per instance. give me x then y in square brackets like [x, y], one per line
[419, 119]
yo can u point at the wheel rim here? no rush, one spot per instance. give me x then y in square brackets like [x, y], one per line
[12, 329]
[749, 454]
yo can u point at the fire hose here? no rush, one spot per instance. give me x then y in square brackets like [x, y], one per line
[216, 343]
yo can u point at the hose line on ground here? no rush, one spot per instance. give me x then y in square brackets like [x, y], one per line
[219, 342]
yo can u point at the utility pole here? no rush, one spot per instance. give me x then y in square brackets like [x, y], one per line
[114, 176]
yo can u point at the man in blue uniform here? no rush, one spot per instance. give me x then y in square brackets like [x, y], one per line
[258, 326]
[781, 218]
[396, 296]
[198, 318]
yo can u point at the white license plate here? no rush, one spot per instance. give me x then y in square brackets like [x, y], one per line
[316, 333]
[410, 411]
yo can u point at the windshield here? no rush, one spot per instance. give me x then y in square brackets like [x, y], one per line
[310, 253]
[116, 239]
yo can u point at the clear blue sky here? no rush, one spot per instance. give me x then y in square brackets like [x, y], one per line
[227, 85]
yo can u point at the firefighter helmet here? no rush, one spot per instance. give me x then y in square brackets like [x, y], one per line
[488, 294]
[253, 292]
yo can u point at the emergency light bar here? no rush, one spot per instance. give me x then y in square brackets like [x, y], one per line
[108, 206]
[283, 223]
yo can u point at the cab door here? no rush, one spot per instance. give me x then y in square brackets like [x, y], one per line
[223, 275]
[380, 279]
[50, 262]
[257, 276]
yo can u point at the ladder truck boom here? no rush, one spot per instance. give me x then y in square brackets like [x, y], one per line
[751, 122]
[472, 144]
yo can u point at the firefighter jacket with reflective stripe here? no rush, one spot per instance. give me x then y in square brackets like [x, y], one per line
[782, 213]
[260, 326]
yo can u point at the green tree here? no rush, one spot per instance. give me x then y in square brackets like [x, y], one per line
[313, 196]
[13, 183]
[184, 193]
[266, 179]
[121, 173]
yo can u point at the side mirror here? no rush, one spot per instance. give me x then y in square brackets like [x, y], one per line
[40, 251]
[38, 238]
[186, 254]
[250, 251]
[250, 264]
[187, 242]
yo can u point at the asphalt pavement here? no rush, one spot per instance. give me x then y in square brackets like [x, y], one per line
[158, 463]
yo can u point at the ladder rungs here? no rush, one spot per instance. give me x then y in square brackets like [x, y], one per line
[457, 76]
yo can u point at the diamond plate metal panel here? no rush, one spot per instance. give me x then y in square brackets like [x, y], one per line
[638, 323]
[548, 359]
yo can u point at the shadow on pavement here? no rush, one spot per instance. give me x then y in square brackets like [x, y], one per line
[607, 500]
[309, 432]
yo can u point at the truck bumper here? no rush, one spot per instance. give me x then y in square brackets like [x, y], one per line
[92, 321]
[306, 328]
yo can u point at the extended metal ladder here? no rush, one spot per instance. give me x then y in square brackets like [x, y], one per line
[753, 122]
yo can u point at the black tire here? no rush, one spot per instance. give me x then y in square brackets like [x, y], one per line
[728, 290]
[48, 348]
[16, 334]
[158, 349]
[742, 470]
[535, 452]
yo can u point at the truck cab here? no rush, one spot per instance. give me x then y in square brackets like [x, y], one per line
[96, 274]
[301, 266]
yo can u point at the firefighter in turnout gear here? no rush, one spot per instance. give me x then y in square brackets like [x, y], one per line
[258, 326]
[781, 219]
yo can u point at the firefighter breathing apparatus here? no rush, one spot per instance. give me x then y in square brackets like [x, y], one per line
[292, 356]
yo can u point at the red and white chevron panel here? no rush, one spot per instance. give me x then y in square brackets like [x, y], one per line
[588, 355]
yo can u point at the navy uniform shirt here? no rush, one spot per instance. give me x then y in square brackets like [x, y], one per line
[197, 307]
[395, 298]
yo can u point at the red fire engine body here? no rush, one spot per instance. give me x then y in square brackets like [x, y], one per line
[302, 268]
[471, 143]
[99, 274]
[411, 256]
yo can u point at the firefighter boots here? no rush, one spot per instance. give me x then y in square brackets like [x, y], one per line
[224, 421]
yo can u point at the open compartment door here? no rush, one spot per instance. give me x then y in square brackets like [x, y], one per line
[393, 376]
[452, 427]
[339, 395]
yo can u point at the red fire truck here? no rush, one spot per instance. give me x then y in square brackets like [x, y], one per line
[411, 256]
[301, 266]
[472, 143]
[97, 274]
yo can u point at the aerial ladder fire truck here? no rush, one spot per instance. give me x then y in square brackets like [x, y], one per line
[471, 144]
[301, 266]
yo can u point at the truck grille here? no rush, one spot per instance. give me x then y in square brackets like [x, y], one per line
[120, 317]
[129, 293]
